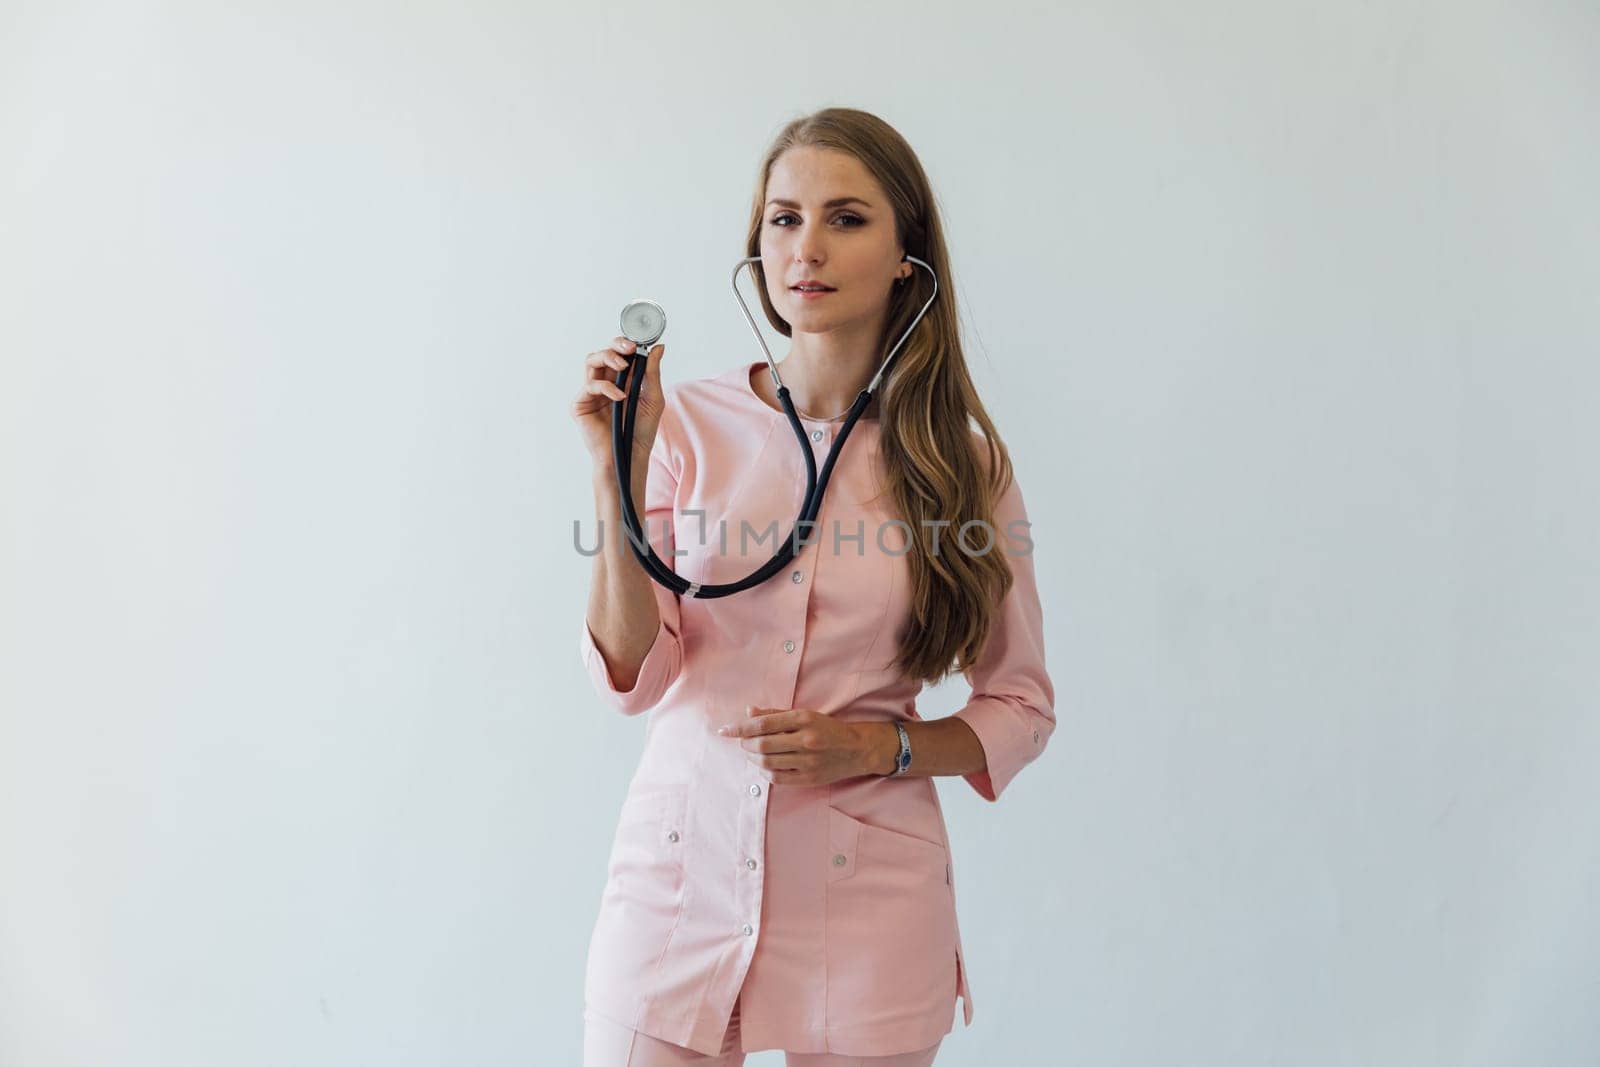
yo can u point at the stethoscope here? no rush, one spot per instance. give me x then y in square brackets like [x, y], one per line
[643, 322]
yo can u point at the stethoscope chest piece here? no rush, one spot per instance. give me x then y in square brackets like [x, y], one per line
[643, 323]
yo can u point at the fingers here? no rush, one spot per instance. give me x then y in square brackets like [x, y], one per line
[597, 362]
[613, 357]
[794, 762]
[788, 741]
[599, 367]
[603, 387]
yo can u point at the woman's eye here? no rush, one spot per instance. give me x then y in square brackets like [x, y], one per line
[858, 220]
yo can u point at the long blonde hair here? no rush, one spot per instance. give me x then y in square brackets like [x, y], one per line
[927, 403]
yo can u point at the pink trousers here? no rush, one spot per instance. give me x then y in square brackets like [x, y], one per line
[607, 1044]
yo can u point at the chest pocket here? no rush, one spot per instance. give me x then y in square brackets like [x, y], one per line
[862, 575]
[852, 573]
[728, 531]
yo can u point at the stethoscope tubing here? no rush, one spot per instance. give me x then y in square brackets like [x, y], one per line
[632, 377]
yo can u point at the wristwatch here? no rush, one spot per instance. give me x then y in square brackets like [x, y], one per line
[903, 760]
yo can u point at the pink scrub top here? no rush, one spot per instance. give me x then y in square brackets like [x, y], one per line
[828, 912]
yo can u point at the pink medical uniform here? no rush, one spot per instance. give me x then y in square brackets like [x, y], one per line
[829, 912]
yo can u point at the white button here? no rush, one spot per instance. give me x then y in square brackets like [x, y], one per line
[755, 790]
[672, 835]
[797, 577]
[816, 435]
[751, 864]
[788, 646]
[839, 860]
[748, 929]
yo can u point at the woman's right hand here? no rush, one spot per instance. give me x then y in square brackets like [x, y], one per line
[592, 409]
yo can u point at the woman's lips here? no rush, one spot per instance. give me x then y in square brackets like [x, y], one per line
[810, 294]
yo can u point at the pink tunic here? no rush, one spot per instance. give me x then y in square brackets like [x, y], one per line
[829, 911]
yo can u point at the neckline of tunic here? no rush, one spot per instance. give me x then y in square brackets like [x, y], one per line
[778, 413]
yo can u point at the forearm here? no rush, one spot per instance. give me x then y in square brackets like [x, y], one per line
[938, 746]
[622, 613]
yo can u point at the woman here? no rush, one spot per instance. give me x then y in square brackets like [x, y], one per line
[777, 880]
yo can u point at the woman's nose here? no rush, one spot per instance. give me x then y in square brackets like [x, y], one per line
[809, 245]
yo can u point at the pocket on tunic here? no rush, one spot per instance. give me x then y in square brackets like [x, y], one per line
[882, 580]
[643, 898]
[646, 865]
[890, 924]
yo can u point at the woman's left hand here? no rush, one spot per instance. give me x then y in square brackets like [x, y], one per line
[799, 746]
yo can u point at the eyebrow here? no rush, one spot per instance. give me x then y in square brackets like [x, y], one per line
[831, 203]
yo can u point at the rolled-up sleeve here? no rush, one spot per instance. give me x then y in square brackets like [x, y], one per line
[665, 658]
[1012, 708]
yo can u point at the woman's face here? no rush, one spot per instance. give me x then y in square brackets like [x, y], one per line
[850, 247]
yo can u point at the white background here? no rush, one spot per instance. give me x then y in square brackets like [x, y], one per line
[1288, 312]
